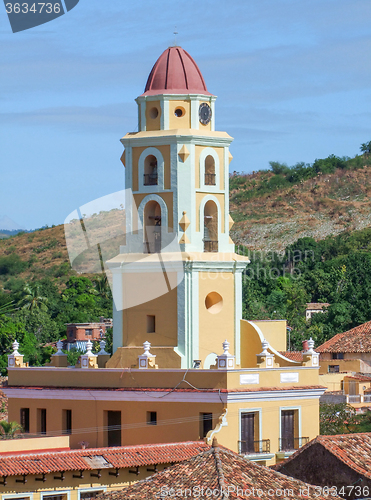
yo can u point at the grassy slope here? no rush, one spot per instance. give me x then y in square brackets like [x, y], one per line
[325, 205]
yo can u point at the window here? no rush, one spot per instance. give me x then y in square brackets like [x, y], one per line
[287, 430]
[206, 424]
[114, 428]
[89, 332]
[249, 432]
[150, 171]
[210, 227]
[152, 417]
[25, 419]
[87, 495]
[41, 420]
[333, 368]
[67, 421]
[152, 227]
[151, 324]
[337, 355]
[210, 177]
[55, 497]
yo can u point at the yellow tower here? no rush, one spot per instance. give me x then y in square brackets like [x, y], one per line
[177, 277]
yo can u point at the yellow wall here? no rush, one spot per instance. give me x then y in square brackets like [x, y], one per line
[153, 123]
[215, 328]
[345, 365]
[183, 121]
[274, 331]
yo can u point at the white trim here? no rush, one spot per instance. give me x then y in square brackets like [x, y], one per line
[49, 493]
[208, 151]
[166, 111]
[143, 120]
[122, 395]
[90, 490]
[164, 214]
[237, 274]
[160, 171]
[21, 494]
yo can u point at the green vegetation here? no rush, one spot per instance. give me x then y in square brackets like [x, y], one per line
[336, 270]
[281, 176]
[341, 418]
[8, 430]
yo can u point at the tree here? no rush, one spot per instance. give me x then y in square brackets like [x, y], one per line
[336, 418]
[366, 148]
[32, 298]
[9, 429]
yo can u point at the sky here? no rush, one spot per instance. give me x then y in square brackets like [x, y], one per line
[293, 81]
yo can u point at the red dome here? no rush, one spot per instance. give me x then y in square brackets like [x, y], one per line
[175, 72]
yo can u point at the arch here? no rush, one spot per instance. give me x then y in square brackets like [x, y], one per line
[148, 156]
[210, 223]
[209, 169]
[152, 227]
[163, 214]
[150, 177]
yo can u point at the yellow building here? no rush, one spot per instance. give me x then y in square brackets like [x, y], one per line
[177, 287]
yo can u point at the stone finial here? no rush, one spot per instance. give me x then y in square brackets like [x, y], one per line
[310, 345]
[265, 345]
[89, 347]
[226, 345]
[147, 347]
[226, 361]
[147, 360]
[15, 346]
[59, 348]
[102, 345]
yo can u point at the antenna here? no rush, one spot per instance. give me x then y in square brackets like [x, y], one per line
[175, 33]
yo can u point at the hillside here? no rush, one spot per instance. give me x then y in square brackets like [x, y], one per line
[270, 217]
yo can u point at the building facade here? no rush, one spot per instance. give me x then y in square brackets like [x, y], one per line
[185, 366]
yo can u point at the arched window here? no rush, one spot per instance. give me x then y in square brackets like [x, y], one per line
[210, 171]
[150, 171]
[152, 227]
[210, 227]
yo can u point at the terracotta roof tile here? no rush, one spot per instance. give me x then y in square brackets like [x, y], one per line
[317, 306]
[120, 457]
[217, 471]
[357, 339]
[293, 355]
[354, 450]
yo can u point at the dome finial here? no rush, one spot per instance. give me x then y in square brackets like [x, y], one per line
[175, 33]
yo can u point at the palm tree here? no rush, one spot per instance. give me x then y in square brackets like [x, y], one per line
[102, 286]
[8, 429]
[5, 309]
[32, 299]
[366, 148]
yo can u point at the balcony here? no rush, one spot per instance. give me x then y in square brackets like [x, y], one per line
[210, 179]
[150, 179]
[210, 245]
[291, 443]
[254, 447]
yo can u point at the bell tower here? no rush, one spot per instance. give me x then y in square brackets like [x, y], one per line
[177, 167]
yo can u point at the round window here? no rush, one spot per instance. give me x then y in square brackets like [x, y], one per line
[153, 113]
[179, 112]
[214, 302]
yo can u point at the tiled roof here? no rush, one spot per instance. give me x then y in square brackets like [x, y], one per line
[357, 339]
[218, 471]
[316, 306]
[156, 389]
[293, 355]
[354, 450]
[364, 378]
[120, 457]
